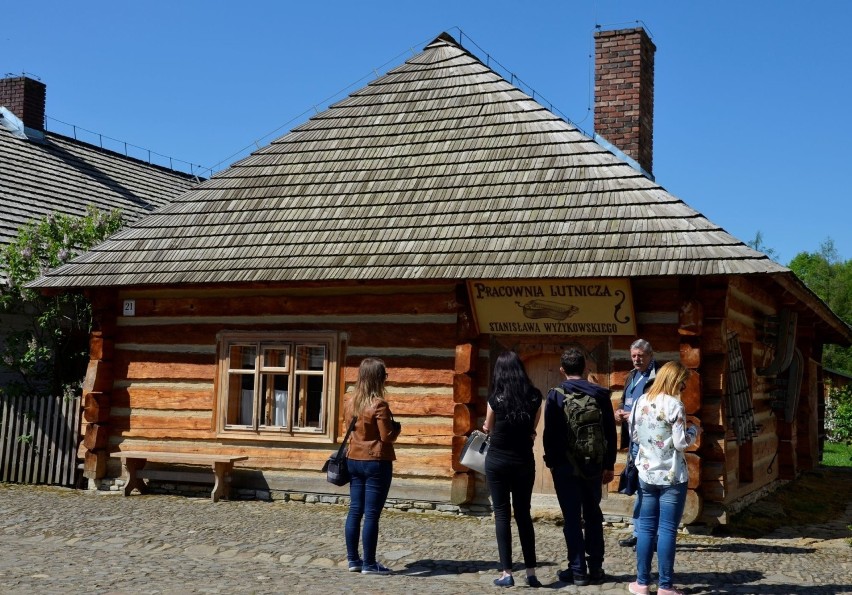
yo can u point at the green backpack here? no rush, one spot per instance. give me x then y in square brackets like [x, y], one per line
[586, 440]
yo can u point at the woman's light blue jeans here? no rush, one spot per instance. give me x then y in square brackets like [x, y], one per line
[368, 491]
[662, 508]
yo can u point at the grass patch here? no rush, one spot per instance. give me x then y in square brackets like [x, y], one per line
[837, 455]
[817, 496]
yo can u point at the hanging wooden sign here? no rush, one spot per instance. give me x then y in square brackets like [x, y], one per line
[553, 307]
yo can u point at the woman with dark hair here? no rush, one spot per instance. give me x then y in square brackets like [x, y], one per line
[514, 408]
[370, 461]
[658, 425]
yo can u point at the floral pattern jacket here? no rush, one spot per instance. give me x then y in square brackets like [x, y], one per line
[659, 428]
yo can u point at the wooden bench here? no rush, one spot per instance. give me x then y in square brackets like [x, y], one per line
[134, 461]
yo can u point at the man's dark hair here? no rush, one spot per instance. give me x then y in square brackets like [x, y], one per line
[573, 362]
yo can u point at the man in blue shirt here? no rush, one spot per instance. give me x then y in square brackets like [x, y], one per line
[637, 382]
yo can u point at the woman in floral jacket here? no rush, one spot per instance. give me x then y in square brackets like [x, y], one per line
[659, 427]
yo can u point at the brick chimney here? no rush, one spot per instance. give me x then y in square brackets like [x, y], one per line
[25, 98]
[624, 92]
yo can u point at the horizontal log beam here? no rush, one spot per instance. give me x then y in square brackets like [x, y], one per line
[463, 488]
[96, 407]
[95, 436]
[466, 358]
[692, 509]
[99, 376]
[94, 464]
[167, 398]
[691, 397]
[316, 305]
[690, 318]
[463, 389]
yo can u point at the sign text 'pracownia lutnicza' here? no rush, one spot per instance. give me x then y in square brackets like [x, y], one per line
[553, 307]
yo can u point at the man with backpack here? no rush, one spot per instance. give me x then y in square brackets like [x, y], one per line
[580, 448]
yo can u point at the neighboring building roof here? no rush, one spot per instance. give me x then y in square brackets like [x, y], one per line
[440, 169]
[57, 174]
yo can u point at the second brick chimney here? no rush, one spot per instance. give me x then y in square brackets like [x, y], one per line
[25, 98]
[624, 92]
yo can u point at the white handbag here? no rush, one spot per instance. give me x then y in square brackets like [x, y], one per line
[474, 451]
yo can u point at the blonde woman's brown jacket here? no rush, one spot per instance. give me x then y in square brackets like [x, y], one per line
[374, 433]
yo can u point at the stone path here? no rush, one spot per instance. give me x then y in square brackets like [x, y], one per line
[66, 541]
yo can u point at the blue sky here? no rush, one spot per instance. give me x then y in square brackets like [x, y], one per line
[752, 99]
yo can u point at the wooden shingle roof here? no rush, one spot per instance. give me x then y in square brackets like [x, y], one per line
[440, 169]
[58, 174]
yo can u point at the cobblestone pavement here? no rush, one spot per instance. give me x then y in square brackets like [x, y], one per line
[67, 541]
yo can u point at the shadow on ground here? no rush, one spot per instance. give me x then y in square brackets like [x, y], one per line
[817, 497]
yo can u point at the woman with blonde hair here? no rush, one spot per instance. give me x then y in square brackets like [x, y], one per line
[370, 461]
[658, 425]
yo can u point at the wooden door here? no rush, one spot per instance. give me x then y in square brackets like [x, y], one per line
[543, 370]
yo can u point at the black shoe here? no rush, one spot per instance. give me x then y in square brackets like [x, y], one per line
[596, 576]
[506, 581]
[532, 581]
[568, 576]
[628, 542]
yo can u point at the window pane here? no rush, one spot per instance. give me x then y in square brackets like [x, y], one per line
[276, 357]
[273, 407]
[240, 399]
[276, 384]
[243, 357]
[310, 357]
[309, 401]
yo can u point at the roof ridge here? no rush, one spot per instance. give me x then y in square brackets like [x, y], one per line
[443, 39]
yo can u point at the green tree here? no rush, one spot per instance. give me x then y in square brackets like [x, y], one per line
[757, 244]
[838, 414]
[48, 356]
[831, 279]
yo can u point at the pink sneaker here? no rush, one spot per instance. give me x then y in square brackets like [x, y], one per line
[669, 592]
[638, 589]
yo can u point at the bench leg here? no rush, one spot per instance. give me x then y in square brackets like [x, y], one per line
[132, 466]
[222, 485]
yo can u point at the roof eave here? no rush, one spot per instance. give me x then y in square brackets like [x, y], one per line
[842, 332]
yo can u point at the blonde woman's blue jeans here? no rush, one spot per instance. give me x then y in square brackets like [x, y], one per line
[662, 509]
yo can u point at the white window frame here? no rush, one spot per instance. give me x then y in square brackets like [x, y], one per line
[289, 342]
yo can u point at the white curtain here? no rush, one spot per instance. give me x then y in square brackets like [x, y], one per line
[280, 407]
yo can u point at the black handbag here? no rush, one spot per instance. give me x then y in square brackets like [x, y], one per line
[628, 481]
[336, 469]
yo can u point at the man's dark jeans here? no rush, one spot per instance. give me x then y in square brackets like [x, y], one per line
[580, 498]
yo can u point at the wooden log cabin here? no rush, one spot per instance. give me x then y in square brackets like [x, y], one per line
[434, 218]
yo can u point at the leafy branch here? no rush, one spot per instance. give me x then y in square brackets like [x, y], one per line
[46, 349]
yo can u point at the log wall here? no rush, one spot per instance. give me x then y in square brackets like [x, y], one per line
[733, 472]
[152, 378]
[161, 384]
[98, 386]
